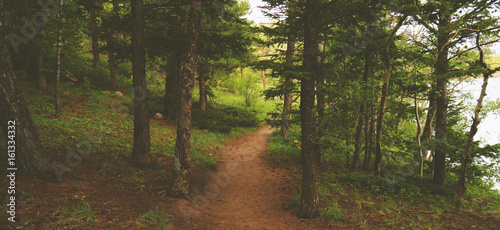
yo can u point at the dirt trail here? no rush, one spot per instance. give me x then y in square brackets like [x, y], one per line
[246, 192]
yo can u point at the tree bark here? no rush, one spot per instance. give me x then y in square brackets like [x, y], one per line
[202, 75]
[111, 54]
[30, 156]
[58, 57]
[441, 69]
[383, 99]
[287, 103]
[362, 117]
[42, 81]
[310, 156]
[94, 34]
[172, 84]
[141, 152]
[417, 137]
[182, 145]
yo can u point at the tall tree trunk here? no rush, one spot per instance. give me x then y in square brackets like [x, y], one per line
[141, 152]
[182, 145]
[310, 156]
[383, 99]
[287, 103]
[441, 69]
[58, 57]
[202, 75]
[417, 137]
[42, 81]
[94, 34]
[172, 79]
[362, 117]
[110, 48]
[30, 158]
[473, 128]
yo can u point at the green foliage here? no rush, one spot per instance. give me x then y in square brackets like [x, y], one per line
[285, 150]
[154, 219]
[332, 212]
[220, 118]
[77, 214]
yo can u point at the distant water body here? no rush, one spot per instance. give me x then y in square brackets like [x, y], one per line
[489, 128]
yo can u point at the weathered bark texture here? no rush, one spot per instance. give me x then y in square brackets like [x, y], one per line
[287, 102]
[202, 79]
[383, 99]
[183, 143]
[441, 69]
[30, 156]
[141, 152]
[310, 156]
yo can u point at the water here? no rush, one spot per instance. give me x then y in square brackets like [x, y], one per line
[489, 128]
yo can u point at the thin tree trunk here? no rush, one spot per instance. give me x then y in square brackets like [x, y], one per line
[58, 54]
[287, 104]
[418, 135]
[383, 99]
[182, 145]
[473, 128]
[42, 81]
[94, 32]
[29, 154]
[441, 68]
[362, 117]
[111, 54]
[310, 156]
[141, 152]
[202, 75]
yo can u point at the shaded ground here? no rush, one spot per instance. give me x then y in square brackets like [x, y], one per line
[246, 191]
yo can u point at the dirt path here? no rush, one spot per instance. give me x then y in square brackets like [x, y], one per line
[246, 192]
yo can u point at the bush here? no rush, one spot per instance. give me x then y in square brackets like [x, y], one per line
[225, 118]
[332, 212]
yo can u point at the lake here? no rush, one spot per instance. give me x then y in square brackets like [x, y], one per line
[489, 128]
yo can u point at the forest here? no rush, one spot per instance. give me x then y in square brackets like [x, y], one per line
[171, 114]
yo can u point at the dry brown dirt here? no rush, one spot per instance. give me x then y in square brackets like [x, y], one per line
[246, 192]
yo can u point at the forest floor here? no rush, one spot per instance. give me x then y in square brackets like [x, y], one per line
[246, 190]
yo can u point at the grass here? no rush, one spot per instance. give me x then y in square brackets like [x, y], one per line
[79, 214]
[399, 199]
[154, 219]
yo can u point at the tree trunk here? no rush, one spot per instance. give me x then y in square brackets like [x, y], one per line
[42, 81]
[441, 69]
[473, 128]
[362, 117]
[111, 54]
[141, 153]
[94, 34]
[30, 158]
[58, 57]
[171, 98]
[310, 156]
[202, 75]
[383, 99]
[182, 145]
[418, 135]
[287, 104]
[431, 114]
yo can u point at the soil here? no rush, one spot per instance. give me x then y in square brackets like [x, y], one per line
[245, 191]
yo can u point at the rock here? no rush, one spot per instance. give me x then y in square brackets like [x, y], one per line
[158, 116]
[119, 94]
